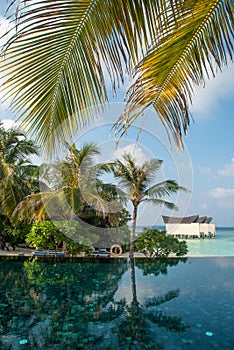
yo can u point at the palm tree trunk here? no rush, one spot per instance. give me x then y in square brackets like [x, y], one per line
[132, 236]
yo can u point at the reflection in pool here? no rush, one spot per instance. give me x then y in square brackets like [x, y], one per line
[116, 303]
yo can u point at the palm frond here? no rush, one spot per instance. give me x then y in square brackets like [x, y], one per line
[164, 188]
[182, 59]
[21, 150]
[123, 174]
[30, 207]
[151, 167]
[158, 201]
[13, 191]
[55, 64]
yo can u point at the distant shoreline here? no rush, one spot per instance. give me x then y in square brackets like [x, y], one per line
[224, 246]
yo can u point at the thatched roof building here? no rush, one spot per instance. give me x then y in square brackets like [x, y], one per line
[186, 219]
[189, 226]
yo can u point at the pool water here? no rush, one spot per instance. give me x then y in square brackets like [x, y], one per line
[116, 303]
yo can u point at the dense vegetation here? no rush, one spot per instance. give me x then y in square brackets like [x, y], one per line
[70, 206]
[154, 243]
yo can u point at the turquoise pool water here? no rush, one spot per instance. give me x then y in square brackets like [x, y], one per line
[116, 304]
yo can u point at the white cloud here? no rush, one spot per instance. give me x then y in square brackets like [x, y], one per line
[5, 26]
[220, 192]
[9, 123]
[228, 169]
[206, 99]
[134, 150]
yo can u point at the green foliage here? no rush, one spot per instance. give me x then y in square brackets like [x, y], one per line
[15, 235]
[44, 234]
[47, 234]
[75, 232]
[56, 60]
[17, 175]
[12, 235]
[110, 229]
[154, 243]
[136, 182]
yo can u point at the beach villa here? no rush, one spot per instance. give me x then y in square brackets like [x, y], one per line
[189, 227]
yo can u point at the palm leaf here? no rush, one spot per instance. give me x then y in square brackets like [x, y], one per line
[13, 191]
[179, 61]
[30, 208]
[157, 201]
[55, 63]
[164, 188]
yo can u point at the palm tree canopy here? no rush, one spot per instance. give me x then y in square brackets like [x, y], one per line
[69, 187]
[78, 162]
[15, 168]
[136, 180]
[64, 52]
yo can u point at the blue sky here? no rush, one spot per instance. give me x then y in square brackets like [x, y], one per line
[206, 166]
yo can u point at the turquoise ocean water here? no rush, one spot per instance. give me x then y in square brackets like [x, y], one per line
[221, 245]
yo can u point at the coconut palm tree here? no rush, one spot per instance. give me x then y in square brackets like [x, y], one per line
[136, 180]
[64, 53]
[60, 194]
[16, 171]
[74, 188]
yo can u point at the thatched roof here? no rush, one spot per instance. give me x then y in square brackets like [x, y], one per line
[179, 220]
[186, 219]
[208, 220]
[201, 219]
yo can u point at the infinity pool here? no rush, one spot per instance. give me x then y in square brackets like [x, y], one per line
[116, 303]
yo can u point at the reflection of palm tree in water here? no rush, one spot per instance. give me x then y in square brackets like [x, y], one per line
[136, 330]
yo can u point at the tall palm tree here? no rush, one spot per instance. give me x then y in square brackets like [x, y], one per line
[55, 64]
[16, 170]
[60, 194]
[136, 180]
[73, 189]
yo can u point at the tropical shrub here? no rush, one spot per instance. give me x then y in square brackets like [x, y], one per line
[76, 233]
[46, 234]
[155, 243]
[11, 236]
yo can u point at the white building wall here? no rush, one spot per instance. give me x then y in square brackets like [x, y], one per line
[193, 229]
[204, 228]
[183, 229]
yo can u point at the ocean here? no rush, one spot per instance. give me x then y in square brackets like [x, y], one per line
[221, 245]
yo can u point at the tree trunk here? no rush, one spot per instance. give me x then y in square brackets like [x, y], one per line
[132, 237]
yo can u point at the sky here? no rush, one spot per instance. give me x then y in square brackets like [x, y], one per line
[206, 167]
